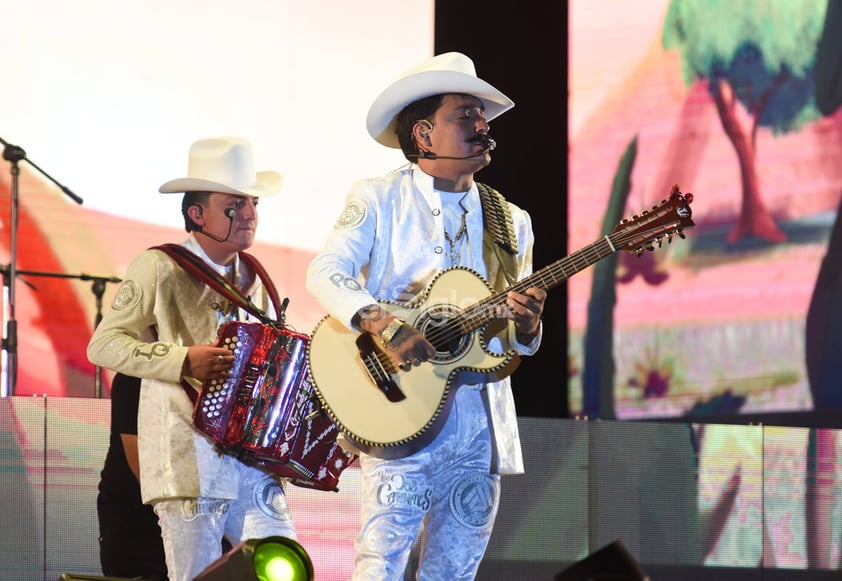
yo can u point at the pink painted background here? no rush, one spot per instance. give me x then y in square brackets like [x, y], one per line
[726, 319]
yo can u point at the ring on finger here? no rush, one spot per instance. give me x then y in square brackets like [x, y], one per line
[416, 362]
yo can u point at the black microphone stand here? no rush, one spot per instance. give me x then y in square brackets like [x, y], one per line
[97, 287]
[14, 155]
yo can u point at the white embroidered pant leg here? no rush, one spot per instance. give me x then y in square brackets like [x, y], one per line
[261, 509]
[192, 528]
[446, 486]
[192, 531]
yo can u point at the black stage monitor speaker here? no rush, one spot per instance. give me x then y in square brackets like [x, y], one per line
[610, 563]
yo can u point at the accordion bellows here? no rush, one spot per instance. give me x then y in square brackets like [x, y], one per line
[267, 412]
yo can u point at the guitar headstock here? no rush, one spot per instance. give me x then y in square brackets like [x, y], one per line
[663, 221]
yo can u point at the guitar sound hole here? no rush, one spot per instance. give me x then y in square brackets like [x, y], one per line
[436, 325]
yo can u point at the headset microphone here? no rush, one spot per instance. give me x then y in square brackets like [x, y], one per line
[229, 213]
[487, 143]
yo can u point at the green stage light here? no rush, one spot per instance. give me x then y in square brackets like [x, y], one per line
[281, 559]
[267, 559]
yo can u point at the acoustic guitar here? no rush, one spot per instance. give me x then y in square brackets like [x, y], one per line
[390, 413]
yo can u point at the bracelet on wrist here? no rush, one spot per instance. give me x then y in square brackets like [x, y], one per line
[391, 330]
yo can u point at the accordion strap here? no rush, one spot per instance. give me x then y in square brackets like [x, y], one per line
[197, 267]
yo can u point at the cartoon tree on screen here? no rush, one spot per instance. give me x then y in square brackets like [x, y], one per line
[757, 54]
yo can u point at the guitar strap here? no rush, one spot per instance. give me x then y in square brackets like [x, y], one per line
[499, 242]
[198, 268]
[499, 239]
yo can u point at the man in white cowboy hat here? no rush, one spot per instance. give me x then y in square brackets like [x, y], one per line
[162, 328]
[395, 235]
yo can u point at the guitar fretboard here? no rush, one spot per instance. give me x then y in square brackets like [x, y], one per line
[635, 235]
[486, 310]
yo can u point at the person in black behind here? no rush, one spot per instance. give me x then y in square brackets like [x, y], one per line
[130, 542]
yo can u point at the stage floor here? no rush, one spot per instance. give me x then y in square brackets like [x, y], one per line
[767, 497]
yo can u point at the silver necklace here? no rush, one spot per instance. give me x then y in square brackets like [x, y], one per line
[455, 256]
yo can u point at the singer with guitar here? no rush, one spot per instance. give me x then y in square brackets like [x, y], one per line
[397, 234]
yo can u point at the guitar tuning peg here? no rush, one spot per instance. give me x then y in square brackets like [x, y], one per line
[681, 235]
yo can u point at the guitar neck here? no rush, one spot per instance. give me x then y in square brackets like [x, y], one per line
[560, 270]
[546, 278]
[633, 235]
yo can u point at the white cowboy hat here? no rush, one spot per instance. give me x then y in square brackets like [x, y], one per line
[450, 72]
[225, 165]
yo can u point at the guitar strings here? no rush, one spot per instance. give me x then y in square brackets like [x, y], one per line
[484, 311]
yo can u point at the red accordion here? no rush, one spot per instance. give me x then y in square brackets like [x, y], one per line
[268, 412]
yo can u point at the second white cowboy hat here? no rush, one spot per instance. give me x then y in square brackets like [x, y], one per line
[450, 72]
[226, 165]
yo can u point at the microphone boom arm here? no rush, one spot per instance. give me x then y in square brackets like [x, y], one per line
[483, 139]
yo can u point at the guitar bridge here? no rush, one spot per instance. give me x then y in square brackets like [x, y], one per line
[379, 367]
